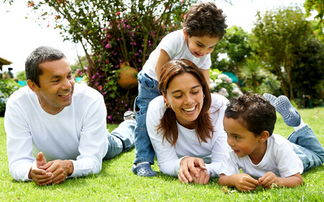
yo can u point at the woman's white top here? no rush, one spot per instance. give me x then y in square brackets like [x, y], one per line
[213, 151]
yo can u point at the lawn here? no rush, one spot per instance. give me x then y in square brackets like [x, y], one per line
[116, 182]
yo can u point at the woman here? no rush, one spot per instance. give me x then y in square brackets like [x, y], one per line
[185, 124]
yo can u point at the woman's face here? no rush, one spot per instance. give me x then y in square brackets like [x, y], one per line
[185, 97]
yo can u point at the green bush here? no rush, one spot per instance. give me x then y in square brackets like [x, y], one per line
[256, 79]
[222, 84]
[21, 76]
[7, 87]
[308, 74]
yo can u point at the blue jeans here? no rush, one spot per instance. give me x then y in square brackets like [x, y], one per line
[147, 91]
[307, 147]
[121, 139]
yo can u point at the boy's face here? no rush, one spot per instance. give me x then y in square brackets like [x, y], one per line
[200, 46]
[56, 85]
[242, 141]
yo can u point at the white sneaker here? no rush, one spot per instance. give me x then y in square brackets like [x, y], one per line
[129, 115]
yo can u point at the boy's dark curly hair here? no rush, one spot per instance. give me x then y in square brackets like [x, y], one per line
[254, 112]
[205, 19]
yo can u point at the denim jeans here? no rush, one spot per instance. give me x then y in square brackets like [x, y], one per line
[121, 139]
[147, 91]
[307, 147]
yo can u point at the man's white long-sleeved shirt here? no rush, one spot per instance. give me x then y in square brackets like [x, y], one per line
[77, 133]
[213, 151]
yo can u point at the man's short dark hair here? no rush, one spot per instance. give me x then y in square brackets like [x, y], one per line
[38, 56]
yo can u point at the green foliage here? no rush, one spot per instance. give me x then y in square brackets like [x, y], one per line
[116, 182]
[256, 79]
[80, 65]
[318, 6]
[277, 36]
[113, 32]
[21, 76]
[7, 87]
[222, 84]
[236, 46]
[308, 73]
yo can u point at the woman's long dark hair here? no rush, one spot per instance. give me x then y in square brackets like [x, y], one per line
[168, 125]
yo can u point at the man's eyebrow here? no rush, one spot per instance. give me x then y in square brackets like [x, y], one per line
[59, 76]
[55, 77]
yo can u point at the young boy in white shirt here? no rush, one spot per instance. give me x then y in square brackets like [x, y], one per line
[266, 159]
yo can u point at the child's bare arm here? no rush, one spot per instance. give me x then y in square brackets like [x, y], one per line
[163, 58]
[270, 178]
[242, 181]
[206, 75]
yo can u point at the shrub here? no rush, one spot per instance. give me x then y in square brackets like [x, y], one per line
[7, 87]
[256, 79]
[222, 84]
[308, 74]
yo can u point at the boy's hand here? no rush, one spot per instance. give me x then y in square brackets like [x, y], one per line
[267, 180]
[245, 182]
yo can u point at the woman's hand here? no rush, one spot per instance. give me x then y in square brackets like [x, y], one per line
[203, 176]
[193, 169]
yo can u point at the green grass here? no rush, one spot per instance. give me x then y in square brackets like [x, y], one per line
[116, 182]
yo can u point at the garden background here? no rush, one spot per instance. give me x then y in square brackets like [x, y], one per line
[283, 54]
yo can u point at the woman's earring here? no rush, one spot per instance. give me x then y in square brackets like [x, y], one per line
[167, 105]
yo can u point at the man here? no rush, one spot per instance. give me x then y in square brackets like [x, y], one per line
[55, 118]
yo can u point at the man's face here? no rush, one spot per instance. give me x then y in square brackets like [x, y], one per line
[56, 86]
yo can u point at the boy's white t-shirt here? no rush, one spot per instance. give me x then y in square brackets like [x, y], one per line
[176, 46]
[279, 158]
[213, 151]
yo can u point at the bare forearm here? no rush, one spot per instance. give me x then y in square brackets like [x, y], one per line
[163, 58]
[292, 181]
[227, 180]
[242, 181]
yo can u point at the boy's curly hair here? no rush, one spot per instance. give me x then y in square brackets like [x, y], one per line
[205, 19]
[254, 112]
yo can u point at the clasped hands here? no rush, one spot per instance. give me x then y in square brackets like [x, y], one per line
[245, 182]
[193, 169]
[52, 172]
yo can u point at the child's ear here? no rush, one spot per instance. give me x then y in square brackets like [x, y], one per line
[185, 33]
[264, 136]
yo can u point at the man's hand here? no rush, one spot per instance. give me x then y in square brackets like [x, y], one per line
[38, 175]
[60, 170]
[267, 180]
[190, 168]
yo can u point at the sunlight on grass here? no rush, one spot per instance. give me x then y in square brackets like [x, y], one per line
[116, 182]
